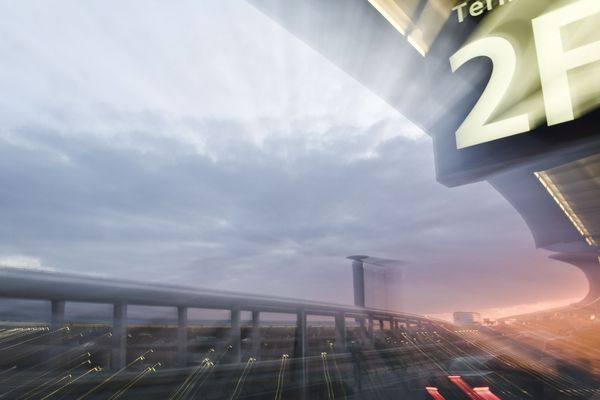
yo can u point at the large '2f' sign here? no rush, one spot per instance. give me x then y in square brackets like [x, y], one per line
[554, 64]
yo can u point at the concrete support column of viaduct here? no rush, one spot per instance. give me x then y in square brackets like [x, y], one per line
[57, 322]
[57, 316]
[255, 334]
[301, 351]
[340, 333]
[236, 335]
[119, 336]
[182, 336]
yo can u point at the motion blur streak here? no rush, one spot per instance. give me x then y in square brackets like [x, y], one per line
[485, 393]
[433, 391]
[462, 385]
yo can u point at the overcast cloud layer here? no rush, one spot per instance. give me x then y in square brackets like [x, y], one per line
[199, 143]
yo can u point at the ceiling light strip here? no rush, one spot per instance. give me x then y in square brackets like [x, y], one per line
[552, 188]
[401, 21]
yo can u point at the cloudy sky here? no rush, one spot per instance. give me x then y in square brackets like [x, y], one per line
[199, 143]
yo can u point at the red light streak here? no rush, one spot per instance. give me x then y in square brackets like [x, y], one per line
[485, 393]
[433, 391]
[464, 386]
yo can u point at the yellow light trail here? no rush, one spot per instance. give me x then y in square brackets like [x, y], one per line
[37, 378]
[240, 383]
[95, 369]
[35, 338]
[281, 376]
[193, 378]
[128, 386]
[330, 393]
[52, 382]
[140, 358]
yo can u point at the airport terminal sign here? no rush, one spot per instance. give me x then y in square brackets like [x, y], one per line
[565, 95]
[524, 79]
[496, 83]
[476, 8]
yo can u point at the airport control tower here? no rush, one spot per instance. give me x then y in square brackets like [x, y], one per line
[387, 293]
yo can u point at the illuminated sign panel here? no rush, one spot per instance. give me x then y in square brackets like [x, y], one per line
[476, 8]
[528, 78]
[498, 84]
[554, 64]
[504, 81]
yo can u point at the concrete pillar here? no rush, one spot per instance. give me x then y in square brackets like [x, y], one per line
[57, 316]
[301, 342]
[182, 336]
[403, 325]
[236, 335]
[57, 321]
[381, 324]
[256, 334]
[301, 351]
[340, 333]
[370, 332]
[119, 336]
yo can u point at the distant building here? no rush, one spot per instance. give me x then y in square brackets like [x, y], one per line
[467, 318]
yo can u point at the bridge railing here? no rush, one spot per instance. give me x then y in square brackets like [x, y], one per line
[59, 288]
